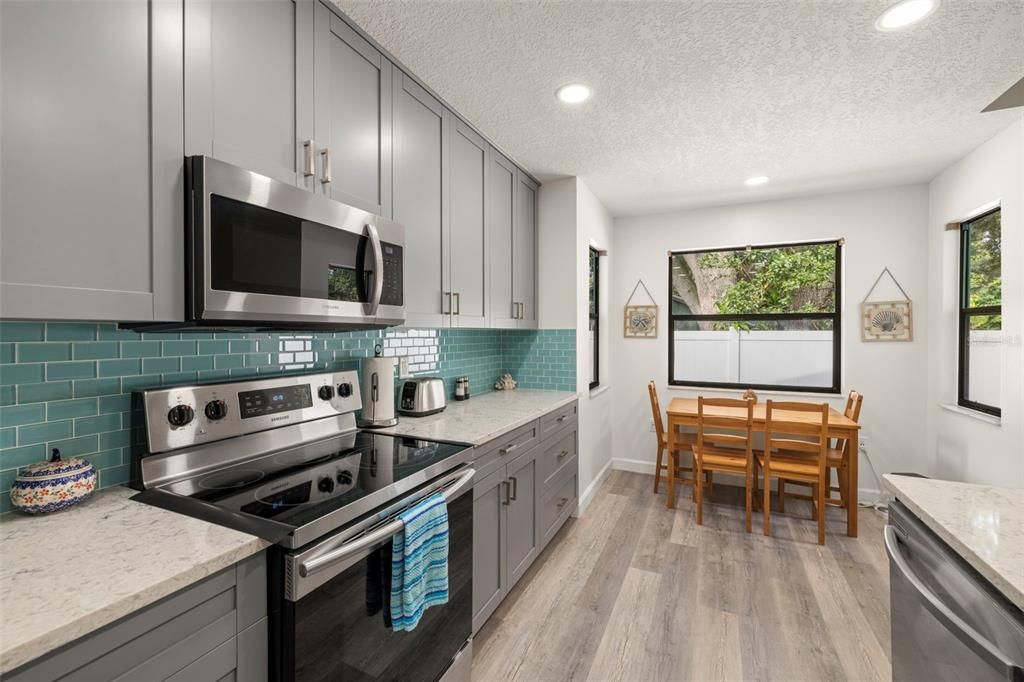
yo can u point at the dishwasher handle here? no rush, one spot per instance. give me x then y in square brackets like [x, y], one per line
[950, 620]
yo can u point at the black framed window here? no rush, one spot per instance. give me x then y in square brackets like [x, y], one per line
[981, 321]
[595, 318]
[766, 317]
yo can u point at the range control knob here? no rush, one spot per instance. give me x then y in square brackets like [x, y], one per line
[325, 392]
[344, 477]
[325, 484]
[344, 390]
[216, 409]
[180, 415]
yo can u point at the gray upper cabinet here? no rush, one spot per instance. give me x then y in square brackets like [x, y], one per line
[468, 192]
[91, 202]
[248, 84]
[420, 162]
[352, 94]
[524, 244]
[501, 224]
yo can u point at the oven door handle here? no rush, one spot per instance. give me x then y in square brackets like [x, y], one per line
[378, 269]
[381, 533]
[950, 620]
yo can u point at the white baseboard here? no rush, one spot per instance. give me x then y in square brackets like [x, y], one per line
[588, 495]
[643, 466]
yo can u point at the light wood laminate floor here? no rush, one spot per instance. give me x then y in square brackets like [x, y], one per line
[634, 591]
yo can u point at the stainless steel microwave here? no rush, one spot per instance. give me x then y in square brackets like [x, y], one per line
[264, 254]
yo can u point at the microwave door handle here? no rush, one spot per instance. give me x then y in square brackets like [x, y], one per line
[308, 568]
[378, 269]
[950, 620]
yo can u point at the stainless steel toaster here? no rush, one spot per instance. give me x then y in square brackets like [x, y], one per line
[422, 396]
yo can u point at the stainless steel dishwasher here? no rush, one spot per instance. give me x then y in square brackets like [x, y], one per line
[948, 622]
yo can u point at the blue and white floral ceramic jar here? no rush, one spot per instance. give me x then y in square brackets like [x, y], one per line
[54, 485]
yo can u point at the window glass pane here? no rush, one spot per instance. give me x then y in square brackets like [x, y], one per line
[593, 351]
[984, 283]
[785, 279]
[593, 282]
[782, 353]
[983, 358]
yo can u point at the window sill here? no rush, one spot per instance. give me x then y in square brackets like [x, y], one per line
[760, 392]
[973, 414]
[594, 392]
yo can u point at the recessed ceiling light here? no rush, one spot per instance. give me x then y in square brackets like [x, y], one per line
[756, 180]
[573, 93]
[904, 14]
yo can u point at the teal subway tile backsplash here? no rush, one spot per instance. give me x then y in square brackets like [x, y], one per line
[69, 385]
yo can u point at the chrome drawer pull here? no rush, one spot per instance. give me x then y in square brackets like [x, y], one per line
[562, 502]
[508, 497]
[308, 166]
[562, 454]
[515, 489]
[563, 418]
[508, 448]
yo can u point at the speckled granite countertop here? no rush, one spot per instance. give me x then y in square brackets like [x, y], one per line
[482, 417]
[984, 524]
[67, 574]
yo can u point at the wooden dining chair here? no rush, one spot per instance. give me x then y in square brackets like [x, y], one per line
[795, 428]
[724, 443]
[838, 461]
[684, 441]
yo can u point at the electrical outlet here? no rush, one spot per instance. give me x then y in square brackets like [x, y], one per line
[403, 368]
[862, 445]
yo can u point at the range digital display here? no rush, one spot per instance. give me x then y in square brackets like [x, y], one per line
[272, 401]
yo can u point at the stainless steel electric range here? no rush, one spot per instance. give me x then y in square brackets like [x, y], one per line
[282, 458]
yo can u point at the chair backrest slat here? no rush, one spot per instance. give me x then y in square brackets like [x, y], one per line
[852, 412]
[808, 420]
[659, 427]
[737, 418]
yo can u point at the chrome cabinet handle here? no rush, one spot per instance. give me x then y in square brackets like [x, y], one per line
[458, 304]
[378, 268]
[562, 418]
[515, 310]
[515, 488]
[325, 157]
[508, 448]
[505, 487]
[382, 532]
[963, 631]
[448, 295]
[308, 162]
[522, 311]
[561, 503]
[562, 454]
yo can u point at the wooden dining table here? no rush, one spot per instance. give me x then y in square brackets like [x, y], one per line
[683, 412]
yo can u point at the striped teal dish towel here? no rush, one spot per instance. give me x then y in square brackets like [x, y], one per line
[419, 562]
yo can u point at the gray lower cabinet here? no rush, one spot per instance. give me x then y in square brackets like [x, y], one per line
[468, 302]
[526, 489]
[91, 202]
[215, 629]
[248, 84]
[352, 100]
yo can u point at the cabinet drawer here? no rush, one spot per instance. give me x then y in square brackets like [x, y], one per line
[555, 420]
[558, 453]
[491, 455]
[556, 506]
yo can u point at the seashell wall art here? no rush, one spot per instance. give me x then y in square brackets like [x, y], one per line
[886, 320]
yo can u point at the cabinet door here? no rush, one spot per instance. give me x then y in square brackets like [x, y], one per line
[468, 227]
[91, 204]
[420, 177]
[524, 245]
[241, 84]
[352, 92]
[490, 558]
[523, 542]
[501, 220]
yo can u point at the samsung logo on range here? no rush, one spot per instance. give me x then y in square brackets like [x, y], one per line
[282, 418]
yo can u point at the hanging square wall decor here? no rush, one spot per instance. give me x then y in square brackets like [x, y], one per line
[640, 322]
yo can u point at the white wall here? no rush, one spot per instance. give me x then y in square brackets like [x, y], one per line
[885, 227]
[571, 219]
[963, 447]
[593, 228]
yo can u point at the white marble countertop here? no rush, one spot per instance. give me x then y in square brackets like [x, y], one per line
[67, 574]
[483, 417]
[984, 524]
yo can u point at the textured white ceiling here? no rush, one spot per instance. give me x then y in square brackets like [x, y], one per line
[691, 98]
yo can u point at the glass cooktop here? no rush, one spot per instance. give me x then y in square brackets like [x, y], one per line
[302, 484]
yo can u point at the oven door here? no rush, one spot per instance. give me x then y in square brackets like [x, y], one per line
[329, 609]
[264, 251]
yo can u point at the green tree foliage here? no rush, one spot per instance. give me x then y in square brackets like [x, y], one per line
[984, 275]
[795, 279]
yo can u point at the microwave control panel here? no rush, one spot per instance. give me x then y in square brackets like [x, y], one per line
[392, 291]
